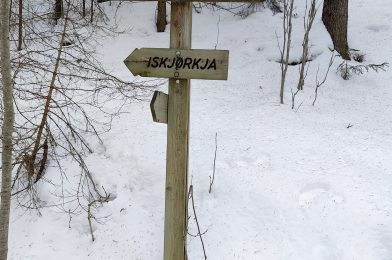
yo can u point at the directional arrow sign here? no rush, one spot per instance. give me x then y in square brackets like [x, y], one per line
[178, 63]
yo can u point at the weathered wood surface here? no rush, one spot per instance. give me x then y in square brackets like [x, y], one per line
[179, 63]
[158, 105]
[176, 201]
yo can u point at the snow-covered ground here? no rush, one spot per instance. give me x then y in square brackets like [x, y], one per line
[289, 184]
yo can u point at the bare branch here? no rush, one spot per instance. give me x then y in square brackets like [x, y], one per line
[212, 179]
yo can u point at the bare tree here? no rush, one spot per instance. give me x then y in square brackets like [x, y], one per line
[308, 22]
[321, 83]
[61, 89]
[20, 25]
[8, 123]
[288, 6]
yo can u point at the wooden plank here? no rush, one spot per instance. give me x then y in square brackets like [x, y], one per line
[158, 107]
[179, 63]
[176, 199]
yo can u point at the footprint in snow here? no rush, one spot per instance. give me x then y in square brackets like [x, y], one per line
[325, 250]
[260, 161]
[318, 193]
[385, 239]
[378, 27]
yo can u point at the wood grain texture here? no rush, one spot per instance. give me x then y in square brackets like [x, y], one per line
[177, 141]
[158, 106]
[195, 64]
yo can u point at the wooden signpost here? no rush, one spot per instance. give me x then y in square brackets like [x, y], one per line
[177, 63]
[180, 64]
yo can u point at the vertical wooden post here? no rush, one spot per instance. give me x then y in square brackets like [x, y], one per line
[161, 16]
[177, 140]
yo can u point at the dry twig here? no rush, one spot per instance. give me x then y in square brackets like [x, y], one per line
[212, 179]
[199, 233]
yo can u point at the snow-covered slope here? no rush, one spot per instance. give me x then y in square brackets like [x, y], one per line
[289, 184]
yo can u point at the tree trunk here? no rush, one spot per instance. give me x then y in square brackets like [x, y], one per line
[20, 25]
[9, 15]
[84, 8]
[58, 9]
[92, 11]
[335, 18]
[161, 16]
[5, 203]
[288, 7]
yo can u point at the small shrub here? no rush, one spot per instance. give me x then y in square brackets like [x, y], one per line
[346, 70]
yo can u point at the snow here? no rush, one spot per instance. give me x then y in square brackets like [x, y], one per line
[289, 184]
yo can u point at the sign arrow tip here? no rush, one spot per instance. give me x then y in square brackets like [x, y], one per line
[130, 62]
